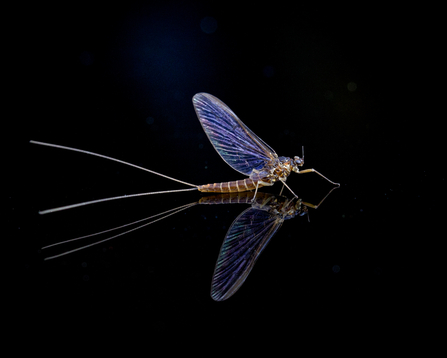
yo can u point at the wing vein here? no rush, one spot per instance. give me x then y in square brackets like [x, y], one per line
[238, 146]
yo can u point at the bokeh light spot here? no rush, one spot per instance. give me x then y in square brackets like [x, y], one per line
[208, 25]
[268, 71]
[86, 58]
[352, 86]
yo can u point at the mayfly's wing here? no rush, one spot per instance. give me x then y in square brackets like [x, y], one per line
[247, 237]
[234, 141]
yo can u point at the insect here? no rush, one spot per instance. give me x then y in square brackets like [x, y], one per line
[248, 235]
[243, 150]
[238, 146]
[244, 241]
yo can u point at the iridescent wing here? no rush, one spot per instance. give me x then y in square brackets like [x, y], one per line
[247, 237]
[233, 140]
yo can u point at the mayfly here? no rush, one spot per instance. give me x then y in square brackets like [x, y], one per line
[244, 241]
[238, 146]
[249, 234]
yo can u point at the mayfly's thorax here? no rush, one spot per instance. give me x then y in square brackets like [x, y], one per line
[283, 168]
[282, 207]
[290, 208]
[278, 169]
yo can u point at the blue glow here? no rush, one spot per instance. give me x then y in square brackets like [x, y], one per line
[208, 25]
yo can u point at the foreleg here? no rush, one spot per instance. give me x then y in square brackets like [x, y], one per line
[314, 171]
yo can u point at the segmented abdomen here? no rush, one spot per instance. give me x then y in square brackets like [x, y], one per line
[230, 187]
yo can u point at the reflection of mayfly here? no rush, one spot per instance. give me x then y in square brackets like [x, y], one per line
[238, 146]
[248, 235]
[244, 241]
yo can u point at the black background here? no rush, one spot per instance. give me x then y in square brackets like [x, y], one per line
[119, 79]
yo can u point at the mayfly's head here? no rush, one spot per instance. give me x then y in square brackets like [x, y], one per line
[298, 162]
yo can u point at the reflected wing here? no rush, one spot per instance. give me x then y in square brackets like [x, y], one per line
[234, 141]
[247, 237]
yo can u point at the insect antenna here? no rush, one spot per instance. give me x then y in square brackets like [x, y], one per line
[116, 197]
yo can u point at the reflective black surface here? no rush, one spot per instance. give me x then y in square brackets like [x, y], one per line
[120, 83]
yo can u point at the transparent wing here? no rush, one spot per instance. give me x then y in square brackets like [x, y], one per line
[234, 141]
[247, 237]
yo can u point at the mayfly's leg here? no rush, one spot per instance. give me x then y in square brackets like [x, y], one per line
[314, 171]
[284, 184]
[256, 190]
[316, 206]
[282, 188]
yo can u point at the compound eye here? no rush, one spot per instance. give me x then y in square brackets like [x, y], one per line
[299, 161]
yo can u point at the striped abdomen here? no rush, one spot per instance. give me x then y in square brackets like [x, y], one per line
[230, 186]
